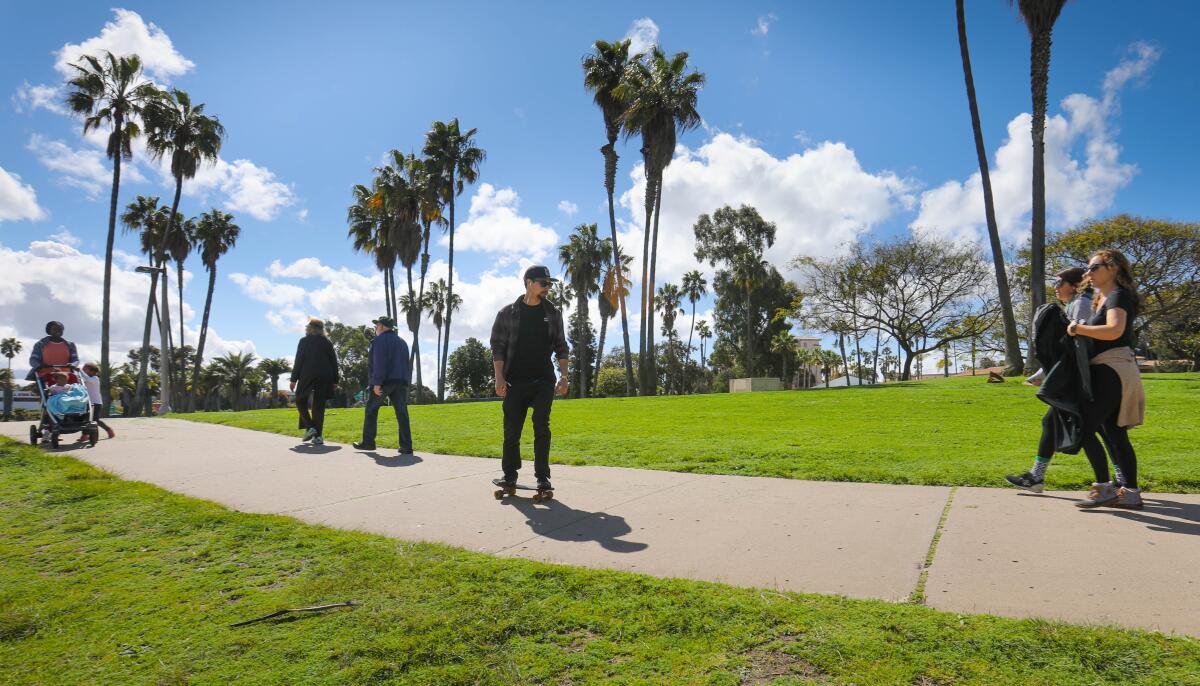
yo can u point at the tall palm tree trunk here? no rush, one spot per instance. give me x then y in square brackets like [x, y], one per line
[1039, 67]
[420, 316]
[610, 175]
[106, 306]
[144, 356]
[581, 343]
[651, 372]
[179, 285]
[165, 309]
[449, 300]
[845, 361]
[599, 354]
[1012, 344]
[437, 357]
[642, 386]
[212, 282]
[875, 361]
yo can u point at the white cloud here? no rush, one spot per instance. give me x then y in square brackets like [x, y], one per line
[302, 215]
[818, 199]
[18, 200]
[266, 291]
[245, 186]
[568, 208]
[1078, 186]
[643, 35]
[85, 169]
[129, 34]
[53, 280]
[763, 25]
[495, 225]
[66, 237]
[40, 96]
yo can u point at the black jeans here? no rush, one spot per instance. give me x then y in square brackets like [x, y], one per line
[320, 390]
[1101, 416]
[399, 397]
[521, 396]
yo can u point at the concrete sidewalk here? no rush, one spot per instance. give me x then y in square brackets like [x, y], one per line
[1000, 552]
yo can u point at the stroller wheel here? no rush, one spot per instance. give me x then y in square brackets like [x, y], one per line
[34, 434]
[93, 435]
[54, 439]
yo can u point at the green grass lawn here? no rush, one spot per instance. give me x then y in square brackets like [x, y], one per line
[958, 431]
[104, 581]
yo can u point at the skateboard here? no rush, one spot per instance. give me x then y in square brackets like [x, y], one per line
[539, 496]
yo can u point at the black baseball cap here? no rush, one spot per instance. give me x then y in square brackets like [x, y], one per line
[1073, 276]
[539, 271]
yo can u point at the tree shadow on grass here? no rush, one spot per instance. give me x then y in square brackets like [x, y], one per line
[558, 521]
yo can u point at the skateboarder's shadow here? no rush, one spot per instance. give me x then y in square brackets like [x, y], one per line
[558, 521]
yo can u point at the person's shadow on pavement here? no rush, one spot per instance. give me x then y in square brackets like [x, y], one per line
[1170, 511]
[393, 460]
[308, 449]
[559, 521]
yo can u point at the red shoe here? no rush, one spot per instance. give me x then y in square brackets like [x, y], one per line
[111, 433]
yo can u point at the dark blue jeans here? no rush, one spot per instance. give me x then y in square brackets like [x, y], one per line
[399, 397]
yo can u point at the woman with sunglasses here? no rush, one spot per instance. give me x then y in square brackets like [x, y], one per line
[1119, 401]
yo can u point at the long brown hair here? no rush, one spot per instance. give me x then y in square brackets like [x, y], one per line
[1123, 273]
[315, 327]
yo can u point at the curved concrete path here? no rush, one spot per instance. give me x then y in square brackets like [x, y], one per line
[999, 551]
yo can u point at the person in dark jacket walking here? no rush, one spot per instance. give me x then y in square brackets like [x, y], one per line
[388, 376]
[524, 336]
[53, 350]
[314, 376]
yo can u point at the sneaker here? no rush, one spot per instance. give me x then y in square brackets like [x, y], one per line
[544, 485]
[406, 452]
[1026, 482]
[309, 434]
[1101, 494]
[317, 440]
[1129, 498]
[363, 446]
[504, 482]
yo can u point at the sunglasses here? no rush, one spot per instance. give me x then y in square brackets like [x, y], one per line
[542, 282]
[1095, 267]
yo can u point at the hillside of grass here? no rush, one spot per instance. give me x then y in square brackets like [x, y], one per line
[104, 581]
[957, 431]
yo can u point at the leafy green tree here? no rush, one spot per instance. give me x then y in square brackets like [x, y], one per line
[603, 70]
[1012, 343]
[660, 95]
[669, 302]
[471, 373]
[455, 159]
[110, 90]
[1039, 16]
[352, 345]
[274, 368]
[694, 287]
[215, 235]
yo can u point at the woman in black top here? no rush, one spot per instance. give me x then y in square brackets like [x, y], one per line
[315, 373]
[1115, 379]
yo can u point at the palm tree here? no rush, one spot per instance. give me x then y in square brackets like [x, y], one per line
[9, 347]
[367, 231]
[829, 362]
[1012, 344]
[190, 137]
[1039, 16]
[424, 183]
[749, 272]
[703, 333]
[613, 292]
[145, 216]
[582, 257]
[274, 368]
[402, 226]
[235, 371]
[661, 97]
[603, 70]
[455, 159]
[435, 305]
[784, 345]
[560, 295]
[215, 235]
[694, 288]
[669, 301]
[110, 90]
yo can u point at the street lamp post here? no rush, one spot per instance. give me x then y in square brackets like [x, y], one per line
[164, 369]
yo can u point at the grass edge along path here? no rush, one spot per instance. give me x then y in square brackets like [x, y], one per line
[948, 432]
[110, 581]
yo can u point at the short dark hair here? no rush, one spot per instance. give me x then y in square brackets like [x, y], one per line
[52, 324]
[1073, 276]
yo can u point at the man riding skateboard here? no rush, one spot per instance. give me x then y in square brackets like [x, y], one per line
[524, 336]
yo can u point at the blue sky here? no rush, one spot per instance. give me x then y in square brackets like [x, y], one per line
[837, 120]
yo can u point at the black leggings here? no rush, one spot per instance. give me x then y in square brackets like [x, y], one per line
[1048, 443]
[1101, 416]
[320, 390]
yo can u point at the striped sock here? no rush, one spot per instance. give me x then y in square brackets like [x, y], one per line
[1039, 467]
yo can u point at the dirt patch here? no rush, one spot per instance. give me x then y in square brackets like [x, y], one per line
[773, 661]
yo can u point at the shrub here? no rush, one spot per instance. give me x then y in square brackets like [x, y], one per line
[611, 382]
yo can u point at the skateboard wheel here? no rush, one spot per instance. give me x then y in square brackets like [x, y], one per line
[499, 494]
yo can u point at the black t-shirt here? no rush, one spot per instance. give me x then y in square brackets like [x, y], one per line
[1122, 299]
[532, 359]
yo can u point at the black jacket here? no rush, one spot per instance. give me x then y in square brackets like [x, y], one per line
[1067, 387]
[508, 326]
[315, 361]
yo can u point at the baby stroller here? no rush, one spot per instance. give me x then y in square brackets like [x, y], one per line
[78, 417]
